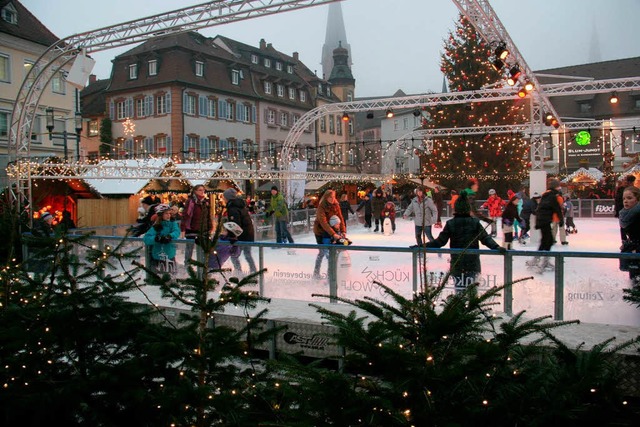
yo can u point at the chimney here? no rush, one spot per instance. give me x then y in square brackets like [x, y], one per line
[263, 44]
[92, 78]
[295, 56]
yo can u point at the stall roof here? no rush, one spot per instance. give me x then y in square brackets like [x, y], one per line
[591, 174]
[123, 185]
[314, 185]
[193, 167]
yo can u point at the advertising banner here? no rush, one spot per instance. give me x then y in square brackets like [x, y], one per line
[583, 150]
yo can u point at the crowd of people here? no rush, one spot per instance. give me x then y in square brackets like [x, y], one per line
[517, 215]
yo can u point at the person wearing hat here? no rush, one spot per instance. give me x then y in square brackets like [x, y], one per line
[160, 238]
[148, 205]
[424, 213]
[43, 226]
[494, 205]
[324, 231]
[549, 211]
[238, 213]
[196, 219]
[464, 231]
[278, 208]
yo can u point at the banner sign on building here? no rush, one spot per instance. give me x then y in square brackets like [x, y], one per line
[583, 149]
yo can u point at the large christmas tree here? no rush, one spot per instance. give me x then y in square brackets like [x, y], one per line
[499, 160]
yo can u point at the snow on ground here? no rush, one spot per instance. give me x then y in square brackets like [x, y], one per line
[592, 286]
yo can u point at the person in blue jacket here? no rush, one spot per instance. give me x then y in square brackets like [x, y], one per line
[160, 238]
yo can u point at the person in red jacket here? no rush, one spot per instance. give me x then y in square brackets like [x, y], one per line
[494, 204]
[388, 211]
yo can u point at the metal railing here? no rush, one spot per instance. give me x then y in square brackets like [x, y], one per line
[412, 273]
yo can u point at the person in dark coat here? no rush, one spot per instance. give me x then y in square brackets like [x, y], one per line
[629, 218]
[196, 218]
[237, 212]
[144, 224]
[66, 223]
[43, 226]
[436, 195]
[509, 217]
[345, 207]
[366, 205]
[324, 230]
[628, 181]
[471, 191]
[548, 209]
[465, 232]
[377, 203]
[529, 207]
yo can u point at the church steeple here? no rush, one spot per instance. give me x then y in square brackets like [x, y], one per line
[336, 35]
[341, 72]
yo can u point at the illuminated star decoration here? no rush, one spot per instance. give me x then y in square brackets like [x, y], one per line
[129, 127]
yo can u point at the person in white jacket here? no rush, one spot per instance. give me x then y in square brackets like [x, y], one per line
[424, 214]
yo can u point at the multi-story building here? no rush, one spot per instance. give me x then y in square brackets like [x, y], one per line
[23, 39]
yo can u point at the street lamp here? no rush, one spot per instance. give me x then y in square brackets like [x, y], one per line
[77, 120]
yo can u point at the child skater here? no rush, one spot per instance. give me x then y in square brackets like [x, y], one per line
[509, 218]
[160, 238]
[389, 211]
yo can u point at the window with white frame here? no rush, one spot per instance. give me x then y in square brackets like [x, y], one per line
[121, 110]
[636, 103]
[189, 104]
[199, 68]
[332, 127]
[272, 146]
[5, 68]
[290, 69]
[162, 103]
[10, 14]
[223, 148]
[4, 124]
[207, 148]
[631, 142]
[27, 65]
[57, 84]
[162, 144]
[278, 65]
[328, 91]
[93, 128]
[190, 144]
[295, 118]
[133, 71]
[267, 62]
[153, 67]
[244, 113]
[212, 107]
[585, 107]
[235, 77]
[292, 93]
[303, 96]
[351, 127]
[254, 58]
[231, 107]
[271, 117]
[284, 119]
[267, 87]
[352, 157]
[338, 125]
[280, 90]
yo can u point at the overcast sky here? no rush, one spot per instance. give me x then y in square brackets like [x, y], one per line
[395, 44]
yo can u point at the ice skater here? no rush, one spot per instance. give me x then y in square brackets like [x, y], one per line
[509, 217]
[388, 212]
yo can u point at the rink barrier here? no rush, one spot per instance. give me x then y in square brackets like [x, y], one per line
[559, 260]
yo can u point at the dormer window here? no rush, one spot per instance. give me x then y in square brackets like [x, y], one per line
[199, 68]
[279, 66]
[292, 93]
[254, 58]
[290, 69]
[153, 67]
[133, 71]
[10, 14]
[267, 62]
[235, 77]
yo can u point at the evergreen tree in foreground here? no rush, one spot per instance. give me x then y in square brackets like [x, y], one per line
[425, 361]
[499, 160]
